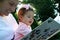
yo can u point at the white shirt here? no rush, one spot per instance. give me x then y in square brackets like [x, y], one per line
[8, 26]
[11, 20]
[6, 30]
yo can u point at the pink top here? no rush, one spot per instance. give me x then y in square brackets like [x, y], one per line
[22, 30]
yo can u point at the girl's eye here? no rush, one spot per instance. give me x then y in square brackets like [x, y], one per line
[28, 16]
[32, 17]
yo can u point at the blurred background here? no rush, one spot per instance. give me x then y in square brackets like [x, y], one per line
[43, 10]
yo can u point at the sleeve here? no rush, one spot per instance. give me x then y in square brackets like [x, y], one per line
[21, 32]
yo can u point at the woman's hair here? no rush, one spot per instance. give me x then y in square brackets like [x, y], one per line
[23, 11]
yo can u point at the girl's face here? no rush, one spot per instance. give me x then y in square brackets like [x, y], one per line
[28, 18]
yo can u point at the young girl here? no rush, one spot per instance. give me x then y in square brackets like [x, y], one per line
[26, 18]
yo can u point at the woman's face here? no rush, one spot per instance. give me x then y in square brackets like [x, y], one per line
[28, 18]
[8, 6]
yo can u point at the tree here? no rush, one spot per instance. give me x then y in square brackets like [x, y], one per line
[44, 8]
[57, 1]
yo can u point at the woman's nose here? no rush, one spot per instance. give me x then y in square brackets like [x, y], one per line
[13, 9]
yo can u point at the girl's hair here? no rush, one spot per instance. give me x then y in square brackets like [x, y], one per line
[23, 11]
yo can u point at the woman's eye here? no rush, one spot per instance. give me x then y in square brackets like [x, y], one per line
[11, 3]
[28, 16]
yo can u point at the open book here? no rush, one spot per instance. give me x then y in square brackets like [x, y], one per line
[48, 29]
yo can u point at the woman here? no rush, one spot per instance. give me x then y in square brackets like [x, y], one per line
[6, 30]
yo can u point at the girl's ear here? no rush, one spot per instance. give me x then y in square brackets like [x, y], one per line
[20, 18]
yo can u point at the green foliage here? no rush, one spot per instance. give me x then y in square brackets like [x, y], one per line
[57, 1]
[44, 8]
[35, 24]
[15, 15]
